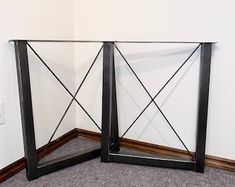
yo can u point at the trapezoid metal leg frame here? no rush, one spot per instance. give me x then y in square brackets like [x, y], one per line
[35, 169]
[110, 139]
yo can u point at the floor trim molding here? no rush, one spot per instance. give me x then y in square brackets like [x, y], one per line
[20, 164]
[216, 162]
[213, 161]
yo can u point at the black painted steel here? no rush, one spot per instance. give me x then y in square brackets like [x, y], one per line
[124, 41]
[73, 96]
[26, 108]
[110, 155]
[35, 170]
[115, 145]
[204, 83]
[67, 161]
[107, 100]
[152, 161]
[160, 90]
[153, 100]
[110, 136]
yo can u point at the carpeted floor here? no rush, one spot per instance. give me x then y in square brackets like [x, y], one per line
[96, 174]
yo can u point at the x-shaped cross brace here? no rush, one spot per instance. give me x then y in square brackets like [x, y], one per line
[110, 138]
[153, 98]
[73, 96]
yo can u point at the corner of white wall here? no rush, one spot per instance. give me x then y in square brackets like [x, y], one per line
[168, 20]
[30, 20]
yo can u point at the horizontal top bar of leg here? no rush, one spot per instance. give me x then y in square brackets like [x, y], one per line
[100, 41]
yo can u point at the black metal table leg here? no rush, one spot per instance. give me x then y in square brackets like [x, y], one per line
[35, 168]
[110, 121]
[204, 83]
[107, 100]
[26, 108]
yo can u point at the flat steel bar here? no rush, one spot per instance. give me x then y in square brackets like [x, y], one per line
[67, 161]
[115, 41]
[152, 161]
[73, 96]
[160, 90]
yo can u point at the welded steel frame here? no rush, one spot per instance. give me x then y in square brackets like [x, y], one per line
[34, 168]
[110, 138]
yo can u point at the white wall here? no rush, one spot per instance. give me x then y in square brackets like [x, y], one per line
[90, 93]
[38, 20]
[162, 20]
[119, 20]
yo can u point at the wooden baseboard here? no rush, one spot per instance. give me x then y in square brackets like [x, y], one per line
[221, 163]
[55, 144]
[20, 164]
[12, 169]
[88, 134]
[212, 161]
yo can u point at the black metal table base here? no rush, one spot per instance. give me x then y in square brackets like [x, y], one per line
[110, 136]
[34, 168]
[110, 133]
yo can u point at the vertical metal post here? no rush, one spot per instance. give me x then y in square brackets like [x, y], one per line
[107, 97]
[114, 123]
[204, 82]
[26, 108]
